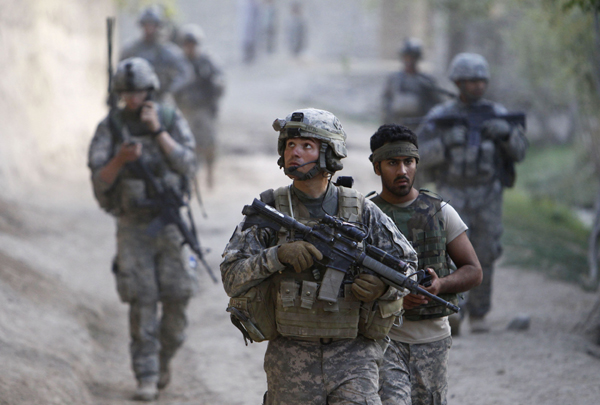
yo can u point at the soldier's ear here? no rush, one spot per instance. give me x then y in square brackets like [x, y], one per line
[377, 168]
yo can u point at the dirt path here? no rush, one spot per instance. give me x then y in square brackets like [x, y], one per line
[64, 333]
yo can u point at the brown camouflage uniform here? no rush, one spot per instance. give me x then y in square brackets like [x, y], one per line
[148, 268]
[325, 371]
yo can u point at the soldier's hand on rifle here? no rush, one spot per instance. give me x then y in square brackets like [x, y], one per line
[496, 130]
[455, 136]
[367, 287]
[414, 300]
[129, 152]
[149, 116]
[298, 254]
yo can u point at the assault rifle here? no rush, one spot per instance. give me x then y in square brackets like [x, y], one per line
[166, 200]
[474, 122]
[338, 241]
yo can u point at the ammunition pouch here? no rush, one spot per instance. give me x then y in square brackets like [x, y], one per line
[378, 317]
[254, 313]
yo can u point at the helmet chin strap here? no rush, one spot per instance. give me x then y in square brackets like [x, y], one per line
[291, 171]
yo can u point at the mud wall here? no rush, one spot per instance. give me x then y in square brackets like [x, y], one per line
[52, 87]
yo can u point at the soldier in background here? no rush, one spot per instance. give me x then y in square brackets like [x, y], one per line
[471, 167]
[167, 59]
[199, 100]
[409, 94]
[297, 29]
[154, 271]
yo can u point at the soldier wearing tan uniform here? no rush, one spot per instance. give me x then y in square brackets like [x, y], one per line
[152, 269]
[319, 352]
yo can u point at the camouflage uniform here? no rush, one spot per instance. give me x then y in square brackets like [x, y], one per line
[149, 268]
[409, 96]
[467, 172]
[415, 374]
[167, 59]
[415, 370]
[342, 371]
[318, 353]
[199, 103]
[406, 97]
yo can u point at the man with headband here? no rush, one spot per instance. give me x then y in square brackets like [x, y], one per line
[319, 352]
[415, 364]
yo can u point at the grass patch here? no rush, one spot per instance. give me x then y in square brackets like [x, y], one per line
[544, 235]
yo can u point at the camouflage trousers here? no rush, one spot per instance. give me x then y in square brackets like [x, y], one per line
[415, 374]
[155, 341]
[484, 219]
[306, 372]
[154, 276]
[203, 125]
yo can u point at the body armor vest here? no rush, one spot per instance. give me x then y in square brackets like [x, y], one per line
[422, 224]
[131, 194]
[298, 312]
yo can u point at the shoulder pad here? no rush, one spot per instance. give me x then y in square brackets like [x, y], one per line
[431, 194]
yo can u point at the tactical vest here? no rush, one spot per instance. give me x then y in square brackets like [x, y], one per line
[130, 195]
[298, 313]
[423, 225]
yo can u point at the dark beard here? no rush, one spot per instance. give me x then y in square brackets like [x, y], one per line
[399, 191]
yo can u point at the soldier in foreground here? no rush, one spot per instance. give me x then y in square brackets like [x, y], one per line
[319, 352]
[416, 362]
[167, 59]
[409, 94]
[469, 147]
[151, 266]
[199, 100]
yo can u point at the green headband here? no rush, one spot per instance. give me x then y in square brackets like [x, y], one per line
[394, 149]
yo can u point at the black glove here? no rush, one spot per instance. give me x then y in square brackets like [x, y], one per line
[496, 129]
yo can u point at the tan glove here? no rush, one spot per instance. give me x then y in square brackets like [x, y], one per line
[367, 287]
[298, 254]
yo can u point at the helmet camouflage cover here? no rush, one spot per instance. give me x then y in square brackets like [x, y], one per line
[191, 33]
[469, 66]
[412, 46]
[135, 74]
[152, 14]
[312, 123]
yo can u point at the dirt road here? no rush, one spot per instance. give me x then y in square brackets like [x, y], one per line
[63, 334]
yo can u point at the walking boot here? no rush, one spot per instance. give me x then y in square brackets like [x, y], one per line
[146, 391]
[164, 378]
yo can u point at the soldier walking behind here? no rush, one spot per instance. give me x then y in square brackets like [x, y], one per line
[167, 59]
[319, 352]
[415, 367]
[470, 147]
[199, 100]
[409, 94]
[151, 266]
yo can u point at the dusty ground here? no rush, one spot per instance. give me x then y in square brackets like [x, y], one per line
[63, 338]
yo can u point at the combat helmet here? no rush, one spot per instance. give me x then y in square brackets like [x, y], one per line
[412, 46]
[469, 66]
[191, 33]
[317, 124]
[135, 74]
[152, 14]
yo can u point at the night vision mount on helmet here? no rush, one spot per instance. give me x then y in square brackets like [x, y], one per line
[317, 124]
